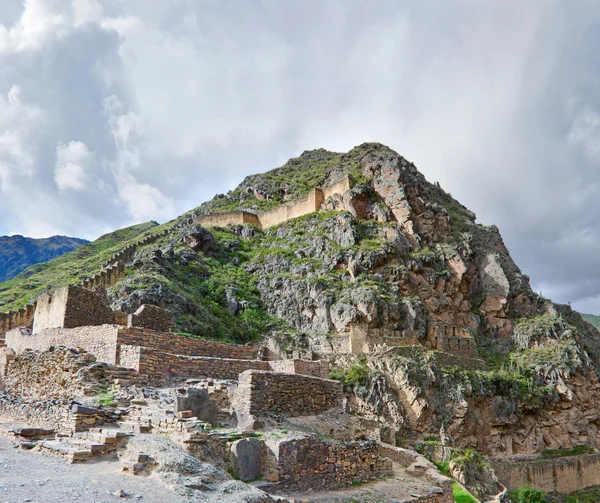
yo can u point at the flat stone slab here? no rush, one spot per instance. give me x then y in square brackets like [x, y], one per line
[33, 432]
[246, 458]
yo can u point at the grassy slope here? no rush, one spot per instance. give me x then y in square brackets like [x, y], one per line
[67, 269]
[593, 319]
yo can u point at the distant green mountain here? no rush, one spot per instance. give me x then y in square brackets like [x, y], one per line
[592, 318]
[69, 268]
[17, 253]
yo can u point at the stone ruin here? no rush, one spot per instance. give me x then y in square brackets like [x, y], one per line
[293, 209]
[70, 373]
[87, 380]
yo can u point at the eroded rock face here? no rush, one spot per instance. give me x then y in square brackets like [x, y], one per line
[200, 240]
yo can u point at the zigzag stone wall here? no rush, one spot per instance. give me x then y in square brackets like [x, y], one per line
[282, 213]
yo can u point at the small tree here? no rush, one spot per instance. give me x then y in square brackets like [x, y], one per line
[530, 495]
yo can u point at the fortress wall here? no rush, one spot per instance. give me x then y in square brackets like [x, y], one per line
[562, 475]
[293, 395]
[293, 209]
[338, 187]
[100, 341]
[228, 218]
[180, 345]
[159, 365]
[152, 317]
[50, 310]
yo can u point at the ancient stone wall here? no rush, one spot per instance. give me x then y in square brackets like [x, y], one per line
[60, 373]
[71, 307]
[101, 341]
[13, 319]
[152, 317]
[180, 345]
[362, 338]
[228, 218]
[338, 186]
[562, 475]
[452, 339]
[260, 392]
[305, 367]
[301, 464]
[158, 365]
[293, 209]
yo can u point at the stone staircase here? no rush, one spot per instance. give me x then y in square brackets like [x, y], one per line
[94, 443]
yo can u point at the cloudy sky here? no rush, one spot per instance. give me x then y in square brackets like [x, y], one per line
[119, 111]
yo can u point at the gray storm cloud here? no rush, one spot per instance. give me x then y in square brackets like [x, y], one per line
[115, 112]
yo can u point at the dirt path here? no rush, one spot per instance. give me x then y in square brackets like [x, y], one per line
[37, 478]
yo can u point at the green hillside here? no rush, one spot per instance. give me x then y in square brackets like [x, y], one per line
[67, 269]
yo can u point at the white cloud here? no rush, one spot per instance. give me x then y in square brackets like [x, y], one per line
[72, 162]
[585, 133]
[116, 111]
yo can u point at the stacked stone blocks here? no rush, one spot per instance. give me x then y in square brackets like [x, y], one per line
[261, 392]
[282, 213]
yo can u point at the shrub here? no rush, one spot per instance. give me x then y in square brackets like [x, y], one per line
[528, 494]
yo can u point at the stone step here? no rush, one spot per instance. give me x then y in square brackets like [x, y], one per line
[135, 427]
[71, 452]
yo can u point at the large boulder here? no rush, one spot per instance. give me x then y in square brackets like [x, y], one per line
[200, 240]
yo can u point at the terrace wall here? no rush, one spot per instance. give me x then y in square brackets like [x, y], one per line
[562, 475]
[228, 218]
[158, 365]
[293, 209]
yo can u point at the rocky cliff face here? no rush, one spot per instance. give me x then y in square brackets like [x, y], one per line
[427, 319]
[17, 253]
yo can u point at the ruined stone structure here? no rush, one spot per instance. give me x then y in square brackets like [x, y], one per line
[151, 317]
[111, 272]
[301, 464]
[450, 338]
[70, 307]
[282, 213]
[228, 218]
[292, 395]
[13, 319]
[59, 373]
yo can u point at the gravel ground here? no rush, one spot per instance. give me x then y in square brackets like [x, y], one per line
[38, 478]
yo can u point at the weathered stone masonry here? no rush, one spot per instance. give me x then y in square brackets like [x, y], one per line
[309, 463]
[286, 211]
[70, 307]
[562, 475]
[105, 342]
[292, 395]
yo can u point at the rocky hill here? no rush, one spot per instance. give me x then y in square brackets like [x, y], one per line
[429, 322]
[17, 253]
